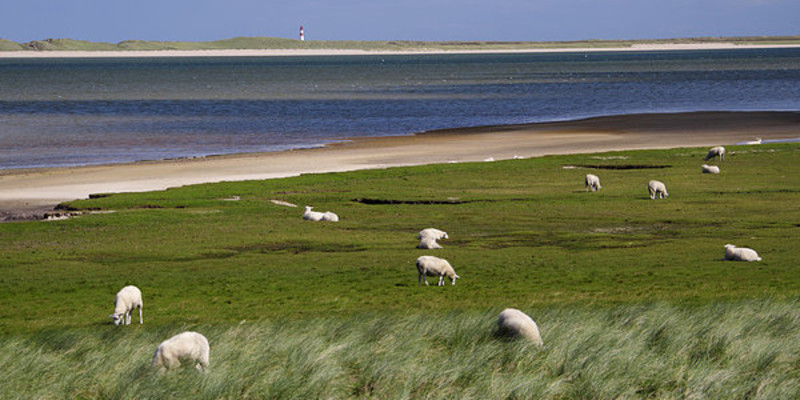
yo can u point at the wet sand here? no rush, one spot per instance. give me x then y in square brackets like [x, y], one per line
[27, 194]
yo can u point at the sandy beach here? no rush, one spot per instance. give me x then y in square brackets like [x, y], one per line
[26, 194]
[345, 52]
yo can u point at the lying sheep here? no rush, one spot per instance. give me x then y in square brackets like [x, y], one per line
[657, 188]
[513, 322]
[428, 238]
[319, 216]
[435, 266]
[733, 253]
[716, 151]
[127, 299]
[593, 182]
[329, 216]
[190, 346]
[710, 169]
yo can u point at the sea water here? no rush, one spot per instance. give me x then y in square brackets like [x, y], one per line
[66, 112]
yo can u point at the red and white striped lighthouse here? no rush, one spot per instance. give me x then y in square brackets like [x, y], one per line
[302, 36]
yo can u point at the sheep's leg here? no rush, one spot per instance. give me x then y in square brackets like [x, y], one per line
[141, 320]
[441, 280]
[421, 278]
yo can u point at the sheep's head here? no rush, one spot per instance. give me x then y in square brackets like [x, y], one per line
[117, 317]
[453, 278]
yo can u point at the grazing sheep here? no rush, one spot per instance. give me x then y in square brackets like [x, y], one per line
[717, 151]
[513, 322]
[190, 346]
[127, 299]
[435, 266]
[428, 244]
[319, 216]
[733, 253]
[710, 169]
[657, 188]
[428, 238]
[593, 182]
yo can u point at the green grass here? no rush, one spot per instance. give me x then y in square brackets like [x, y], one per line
[742, 349]
[631, 295]
[400, 45]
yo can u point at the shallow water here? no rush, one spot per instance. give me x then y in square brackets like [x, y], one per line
[60, 112]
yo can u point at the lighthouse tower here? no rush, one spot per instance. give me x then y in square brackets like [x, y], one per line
[302, 36]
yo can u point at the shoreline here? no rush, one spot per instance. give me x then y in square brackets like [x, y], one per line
[26, 194]
[348, 52]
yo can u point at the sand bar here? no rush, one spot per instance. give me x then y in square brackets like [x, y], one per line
[27, 193]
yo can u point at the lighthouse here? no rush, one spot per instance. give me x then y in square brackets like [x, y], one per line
[302, 36]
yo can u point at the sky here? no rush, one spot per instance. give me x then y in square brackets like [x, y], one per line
[429, 20]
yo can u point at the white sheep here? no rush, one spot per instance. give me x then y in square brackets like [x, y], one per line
[657, 188]
[329, 216]
[513, 322]
[319, 216]
[716, 151]
[592, 182]
[428, 238]
[733, 253]
[756, 141]
[435, 266]
[127, 299]
[190, 346]
[710, 169]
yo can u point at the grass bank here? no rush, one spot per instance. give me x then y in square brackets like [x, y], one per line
[631, 295]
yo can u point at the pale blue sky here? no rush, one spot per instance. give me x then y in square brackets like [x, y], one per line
[435, 20]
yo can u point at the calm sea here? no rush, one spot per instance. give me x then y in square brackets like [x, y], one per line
[61, 112]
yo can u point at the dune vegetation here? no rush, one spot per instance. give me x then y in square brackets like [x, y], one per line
[275, 43]
[631, 295]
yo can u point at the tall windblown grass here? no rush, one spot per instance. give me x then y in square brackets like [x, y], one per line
[740, 349]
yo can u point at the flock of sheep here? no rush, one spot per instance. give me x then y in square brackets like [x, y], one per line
[193, 347]
[658, 189]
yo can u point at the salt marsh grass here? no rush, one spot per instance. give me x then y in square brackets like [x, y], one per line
[740, 349]
[631, 296]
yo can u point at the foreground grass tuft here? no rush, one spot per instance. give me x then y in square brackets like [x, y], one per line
[742, 349]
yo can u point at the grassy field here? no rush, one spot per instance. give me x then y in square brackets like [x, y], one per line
[400, 45]
[631, 295]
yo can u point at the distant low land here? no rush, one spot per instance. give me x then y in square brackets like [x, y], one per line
[270, 43]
